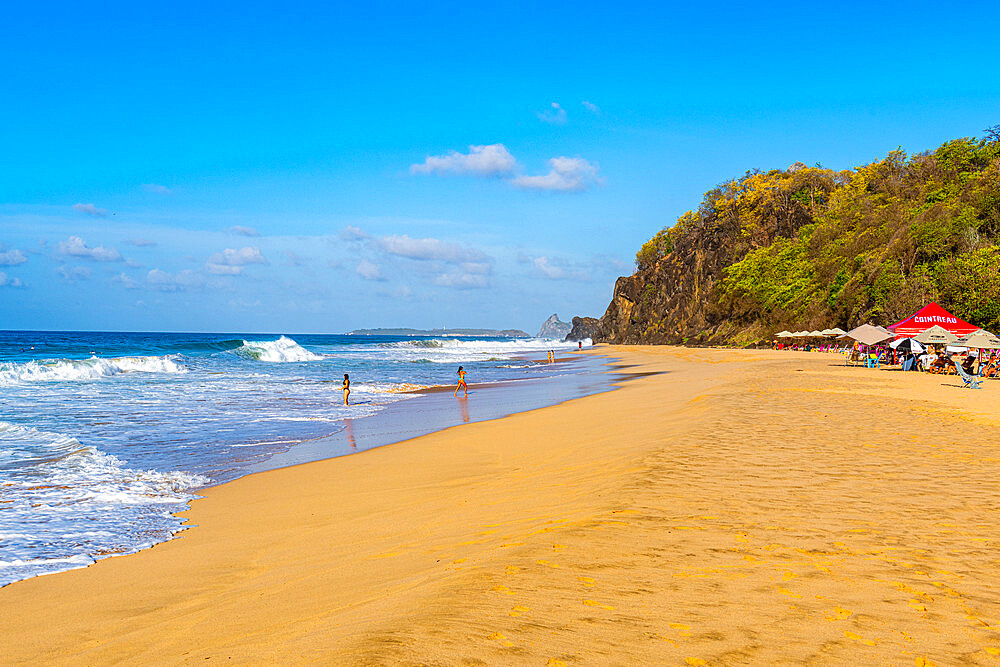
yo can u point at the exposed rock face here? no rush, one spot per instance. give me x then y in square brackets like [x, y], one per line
[553, 328]
[584, 327]
[677, 300]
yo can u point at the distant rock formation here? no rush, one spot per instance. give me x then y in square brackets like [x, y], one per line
[553, 328]
[583, 328]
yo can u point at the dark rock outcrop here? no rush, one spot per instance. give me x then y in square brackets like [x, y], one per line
[583, 328]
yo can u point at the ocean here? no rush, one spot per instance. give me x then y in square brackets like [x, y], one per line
[104, 436]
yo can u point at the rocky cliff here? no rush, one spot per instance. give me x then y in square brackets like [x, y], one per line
[812, 248]
[553, 328]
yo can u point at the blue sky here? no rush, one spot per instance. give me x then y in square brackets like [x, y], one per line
[315, 168]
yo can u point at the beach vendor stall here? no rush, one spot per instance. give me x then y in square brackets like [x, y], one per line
[928, 316]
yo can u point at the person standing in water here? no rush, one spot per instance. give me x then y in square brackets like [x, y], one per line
[461, 382]
[347, 387]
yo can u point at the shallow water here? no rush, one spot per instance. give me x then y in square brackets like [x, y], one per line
[103, 436]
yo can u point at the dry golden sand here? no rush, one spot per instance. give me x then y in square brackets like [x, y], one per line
[741, 508]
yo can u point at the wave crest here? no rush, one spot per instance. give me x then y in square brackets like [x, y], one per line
[275, 351]
[94, 368]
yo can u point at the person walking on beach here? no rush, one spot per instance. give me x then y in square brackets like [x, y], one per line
[347, 387]
[461, 382]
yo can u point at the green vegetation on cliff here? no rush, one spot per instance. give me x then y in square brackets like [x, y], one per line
[811, 247]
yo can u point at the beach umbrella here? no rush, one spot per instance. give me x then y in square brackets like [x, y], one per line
[866, 334]
[981, 340]
[836, 331]
[936, 335]
[817, 334]
[784, 334]
[907, 345]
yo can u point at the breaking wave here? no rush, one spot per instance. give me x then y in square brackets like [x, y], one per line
[73, 485]
[276, 351]
[94, 368]
[449, 350]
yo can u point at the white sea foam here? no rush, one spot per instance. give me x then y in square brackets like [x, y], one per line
[277, 351]
[94, 368]
[451, 350]
[54, 485]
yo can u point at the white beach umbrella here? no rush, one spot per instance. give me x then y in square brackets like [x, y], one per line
[866, 334]
[936, 335]
[981, 340]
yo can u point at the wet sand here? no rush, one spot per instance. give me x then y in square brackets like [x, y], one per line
[738, 507]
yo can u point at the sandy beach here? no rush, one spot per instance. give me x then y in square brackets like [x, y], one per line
[733, 507]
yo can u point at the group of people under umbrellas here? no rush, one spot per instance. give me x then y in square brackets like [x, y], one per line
[930, 350]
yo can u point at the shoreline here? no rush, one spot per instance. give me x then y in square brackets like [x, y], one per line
[724, 506]
[430, 409]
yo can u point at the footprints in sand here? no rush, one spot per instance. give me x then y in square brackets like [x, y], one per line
[853, 636]
[594, 603]
[500, 637]
[840, 614]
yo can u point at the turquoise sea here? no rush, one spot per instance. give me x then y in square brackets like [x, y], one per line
[103, 436]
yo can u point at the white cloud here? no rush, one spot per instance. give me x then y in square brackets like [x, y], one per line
[463, 280]
[369, 271]
[469, 275]
[403, 292]
[223, 269]
[243, 231]
[559, 269]
[74, 246]
[351, 233]
[591, 107]
[126, 281]
[554, 115]
[428, 249]
[566, 174]
[486, 160]
[5, 281]
[140, 243]
[173, 282]
[73, 273]
[12, 257]
[90, 209]
[230, 262]
[547, 270]
[157, 189]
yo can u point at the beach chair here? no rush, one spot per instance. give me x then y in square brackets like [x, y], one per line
[872, 361]
[970, 380]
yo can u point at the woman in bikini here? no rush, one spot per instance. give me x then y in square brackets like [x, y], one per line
[461, 382]
[347, 388]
